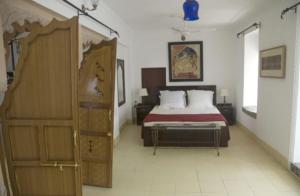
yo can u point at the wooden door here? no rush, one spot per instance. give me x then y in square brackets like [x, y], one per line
[96, 104]
[40, 116]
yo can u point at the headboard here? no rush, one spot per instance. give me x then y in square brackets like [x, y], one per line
[186, 88]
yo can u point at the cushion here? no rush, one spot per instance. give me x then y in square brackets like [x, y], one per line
[200, 98]
[172, 99]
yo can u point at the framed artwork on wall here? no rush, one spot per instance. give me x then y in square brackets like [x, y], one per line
[121, 82]
[185, 61]
[272, 62]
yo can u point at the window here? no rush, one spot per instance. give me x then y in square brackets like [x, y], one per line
[251, 59]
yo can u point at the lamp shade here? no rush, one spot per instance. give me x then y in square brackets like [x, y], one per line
[143, 92]
[191, 8]
[224, 92]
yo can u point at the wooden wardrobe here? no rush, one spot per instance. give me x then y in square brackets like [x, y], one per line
[56, 125]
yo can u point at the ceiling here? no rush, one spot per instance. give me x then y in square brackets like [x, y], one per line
[153, 14]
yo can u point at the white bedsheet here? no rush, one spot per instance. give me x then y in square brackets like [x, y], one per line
[187, 110]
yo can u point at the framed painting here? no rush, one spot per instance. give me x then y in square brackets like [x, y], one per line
[272, 62]
[121, 82]
[185, 61]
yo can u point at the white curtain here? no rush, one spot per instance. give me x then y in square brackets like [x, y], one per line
[295, 136]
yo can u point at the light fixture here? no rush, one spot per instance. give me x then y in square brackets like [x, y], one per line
[94, 4]
[191, 8]
[224, 93]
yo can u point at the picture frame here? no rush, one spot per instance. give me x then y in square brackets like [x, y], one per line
[273, 62]
[121, 82]
[185, 61]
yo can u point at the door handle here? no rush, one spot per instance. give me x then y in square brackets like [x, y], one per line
[108, 134]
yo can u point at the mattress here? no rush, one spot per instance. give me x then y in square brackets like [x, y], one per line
[188, 116]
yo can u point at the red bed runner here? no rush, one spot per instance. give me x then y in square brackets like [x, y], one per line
[184, 118]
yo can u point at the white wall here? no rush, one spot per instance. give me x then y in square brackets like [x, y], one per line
[125, 110]
[273, 123]
[151, 50]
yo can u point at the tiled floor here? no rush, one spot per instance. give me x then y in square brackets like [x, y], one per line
[243, 169]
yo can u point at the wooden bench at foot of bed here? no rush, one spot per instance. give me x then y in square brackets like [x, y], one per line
[186, 138]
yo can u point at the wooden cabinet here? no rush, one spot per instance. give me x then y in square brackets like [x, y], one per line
[227, 111]
[142, 111]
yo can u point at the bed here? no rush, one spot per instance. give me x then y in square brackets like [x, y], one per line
[184, 118]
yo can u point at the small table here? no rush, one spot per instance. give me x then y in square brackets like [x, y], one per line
[216, 129]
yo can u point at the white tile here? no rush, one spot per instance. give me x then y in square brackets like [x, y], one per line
[163, 187]
[236, 186]
[161, 194]
[212, 186]
[187, 186]
[261, 185]
[243, 169]
[187, 194]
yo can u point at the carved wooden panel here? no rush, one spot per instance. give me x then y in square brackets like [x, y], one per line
[24, 142]
[94, 148]
[85, 172]
[83, 118]
[95, 120]
[99, 120]
[98, 173]
[40, 113]
[59, 143]
[95, 174]
[95, 83]
[47, 91]
[37, 180]
[96, 102]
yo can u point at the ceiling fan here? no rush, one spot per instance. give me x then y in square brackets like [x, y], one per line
[184, 32]
[191, 9]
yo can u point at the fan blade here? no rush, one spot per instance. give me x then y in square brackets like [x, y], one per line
[177, 30]
[202, 30]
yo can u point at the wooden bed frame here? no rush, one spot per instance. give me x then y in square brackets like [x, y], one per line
[186, 137]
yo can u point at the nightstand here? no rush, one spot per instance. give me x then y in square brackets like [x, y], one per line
[227, 111]
[142, 110]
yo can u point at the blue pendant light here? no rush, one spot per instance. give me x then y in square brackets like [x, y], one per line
[191, 8]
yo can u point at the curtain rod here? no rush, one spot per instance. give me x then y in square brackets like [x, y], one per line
[256, 25]
[81, 12]
[293, 7]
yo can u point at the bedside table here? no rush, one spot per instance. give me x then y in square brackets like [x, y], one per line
[142, 110]
[227, 111]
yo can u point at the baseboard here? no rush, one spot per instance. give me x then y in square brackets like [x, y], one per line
[124, 125]
[295, 168]
[117, 139]
[269, 149]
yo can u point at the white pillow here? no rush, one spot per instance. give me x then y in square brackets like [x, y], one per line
[172, 99]
[200, 98]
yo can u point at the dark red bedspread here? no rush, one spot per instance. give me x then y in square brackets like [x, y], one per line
[184, 118]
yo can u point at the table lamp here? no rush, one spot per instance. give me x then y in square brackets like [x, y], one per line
[143, 92]
[224, 93]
